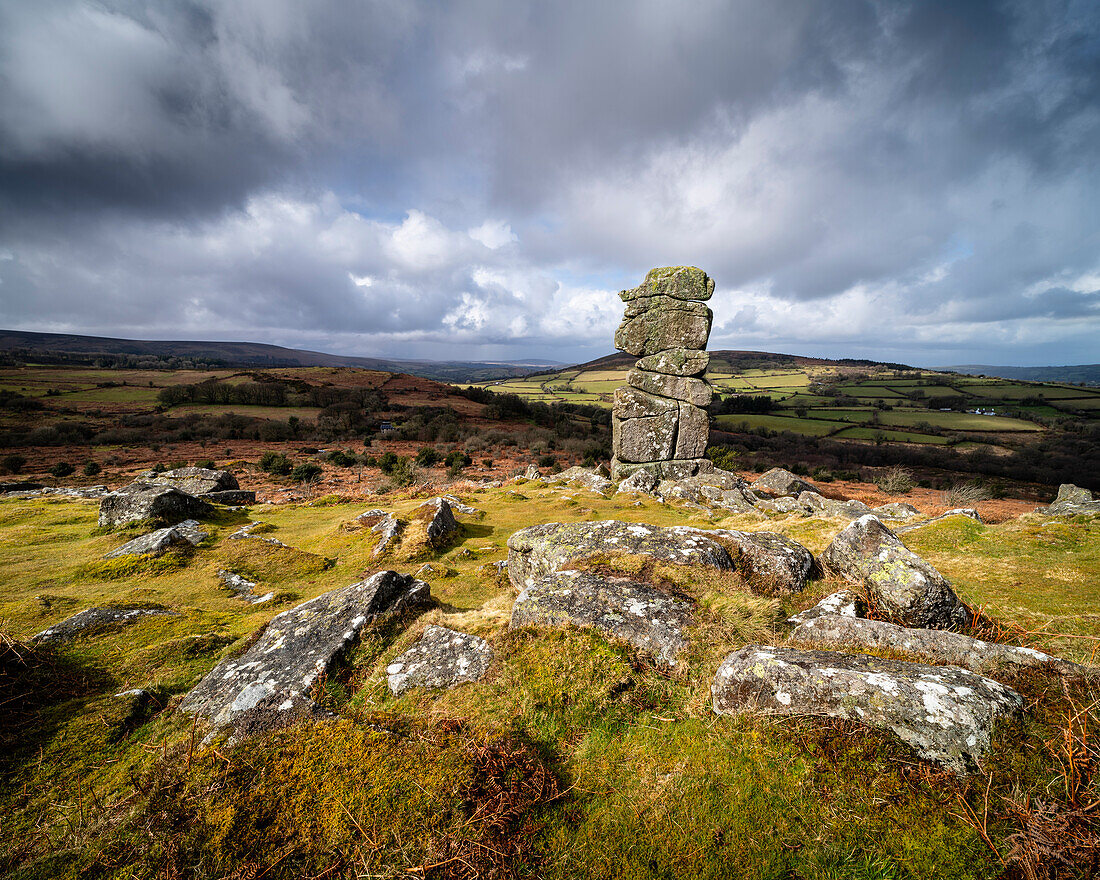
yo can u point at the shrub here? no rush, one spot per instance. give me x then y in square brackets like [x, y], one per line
[13, 463]
[965, 493]
[342, 458]
[896, 479]
[275, 463]
[205, 463]
[457, 459]
[305, 472]
[61, 469]
[488, 462]
[388, 461]
[427, 456]
[91, 468]
[404, 472]
[547, 461]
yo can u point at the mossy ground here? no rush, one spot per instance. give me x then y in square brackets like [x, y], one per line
[573, 757]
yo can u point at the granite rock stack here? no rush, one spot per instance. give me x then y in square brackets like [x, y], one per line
[659, 421]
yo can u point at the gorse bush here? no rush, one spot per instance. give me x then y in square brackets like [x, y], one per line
[306, 472]
[427, 456]
[13, 463]
[276, 463]
[61, 469]
[91, 468]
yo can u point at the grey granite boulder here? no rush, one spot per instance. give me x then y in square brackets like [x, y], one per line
[820, 505]
[934, 645]
[242, 588]
[186, 534]
[1072, 501]
[842, 603]
[643, 425]
[381, 523]
[441, 659]
[679, 282]
[946, 714]
[464, 509]
[440, 525]
[656, 323]
[192, 480]
[639, 483]
[94, 620]
[898, 582]
[583, 477]
[651, 620]
[769, 563]
[532, 472]
[299, 646]
[778, 481]
[230, 496]
[895, 510]
[693, 391]
[539, 550]
[141, 501]
[676, 362]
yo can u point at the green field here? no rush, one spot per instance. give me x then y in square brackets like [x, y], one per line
[814, 388]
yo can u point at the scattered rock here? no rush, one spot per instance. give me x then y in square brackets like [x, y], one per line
[784, 505]
[1072, 501]
[649, 619]
[192, 480]
[381, 523]
[441, 659]
[243, 588]
[638, 483]
[895, 510]
[440, 525]
[672, 469]
[188, 533]
[770, 563]
[298, 646]
[819, 504]
[90, 492]
[778, 481]
[935, 645]
[532, 472]
[898, 582]
[95, 620]
[464, 509]
[843, 603]
[969, 512]
[539, 550]
[583, 477]
[945, 714]
[231, 497]
[141, 501]
[246, 533]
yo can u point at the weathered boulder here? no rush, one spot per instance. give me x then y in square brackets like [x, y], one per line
[842, 603]
[230, 496]
[440, 523]
[539, 550]
[783, 504]
[898, 582]
[141, 501]
[968, 512]
[381, 523]
[685, 388]
[464, 509]
[300, 645]
[532, 472]
[583, 477]
[672, 469]
[819, 504]
[656, 323]
[680, 282]
[192, 480]
[651, 620]
[778, 481]
[1072, 501]
[944, 713]
[441, 659]
[187, 534]
[770, 563]
[676, 362]
[935, 645]
[94, 620]
[639, 483]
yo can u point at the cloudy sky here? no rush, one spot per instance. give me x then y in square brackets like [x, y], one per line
[913, 181]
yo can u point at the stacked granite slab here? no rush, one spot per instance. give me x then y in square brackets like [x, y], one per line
[659, 421]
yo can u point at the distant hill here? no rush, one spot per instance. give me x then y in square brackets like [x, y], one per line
[1081, 374]
[69, 348]
[744, 360]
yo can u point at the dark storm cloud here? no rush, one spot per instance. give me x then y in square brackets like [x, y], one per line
[427, 175]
